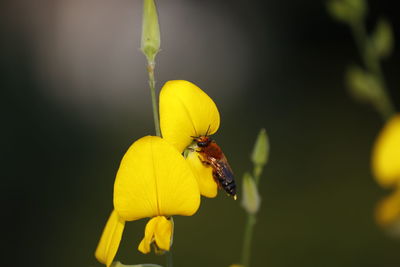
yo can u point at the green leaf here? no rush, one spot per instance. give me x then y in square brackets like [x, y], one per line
[261, 149]
[251, 198]
[119, 264]
[382, 38]
[150, 44]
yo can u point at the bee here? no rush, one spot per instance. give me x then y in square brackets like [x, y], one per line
[211, 154]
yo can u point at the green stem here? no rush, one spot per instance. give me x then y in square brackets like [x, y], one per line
[152, 83]
[169, 259]
[371, 61]
[250, 222]
[248, 235]
[257, 170]
[168, 254]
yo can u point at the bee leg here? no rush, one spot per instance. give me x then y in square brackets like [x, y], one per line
[204, 162]
[191, 149]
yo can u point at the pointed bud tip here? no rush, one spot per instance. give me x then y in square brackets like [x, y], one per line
[261, 149]
[150, 44]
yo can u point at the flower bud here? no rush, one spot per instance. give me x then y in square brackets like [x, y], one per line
[150, 44]
[261, 149]
[382, 38]
[251, 198]
[362, 85]
[347, 11]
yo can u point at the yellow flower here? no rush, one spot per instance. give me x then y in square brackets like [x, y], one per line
[155, 181]
[185, 112]
[386, 154]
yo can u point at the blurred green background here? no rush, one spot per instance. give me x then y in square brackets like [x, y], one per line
[74, 96]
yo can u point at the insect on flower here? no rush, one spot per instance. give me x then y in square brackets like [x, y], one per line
[211, 154]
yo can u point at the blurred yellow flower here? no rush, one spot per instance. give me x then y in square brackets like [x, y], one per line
[386, 154]
[153, 180]
[386, 169]
[187, 112]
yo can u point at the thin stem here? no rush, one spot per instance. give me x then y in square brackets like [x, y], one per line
[248, 235]
[168, 254]
[250, 222]
[169, 259]
[152, 83]
[371, 62]
[257, 170]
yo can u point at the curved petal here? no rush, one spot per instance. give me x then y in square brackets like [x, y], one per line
[163, 233]
[158, 230]
[110, 239]
[144, 245]
[185, 111]
[386, 154]
[154, 179]
[203, 173]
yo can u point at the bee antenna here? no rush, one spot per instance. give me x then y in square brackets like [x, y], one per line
[208, 129]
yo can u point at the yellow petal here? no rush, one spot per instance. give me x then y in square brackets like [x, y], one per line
[185, 111]
[388, 210]
[163, 233]
[154, 179]
[386, 154]
[144, 245]
[203, 173]
[158, 230]
[110, 239]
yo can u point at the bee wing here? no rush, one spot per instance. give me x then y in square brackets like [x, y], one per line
[223, 169]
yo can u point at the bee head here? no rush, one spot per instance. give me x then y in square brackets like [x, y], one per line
[202, 141]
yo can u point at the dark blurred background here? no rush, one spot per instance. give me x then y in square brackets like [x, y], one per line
[74, 96]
